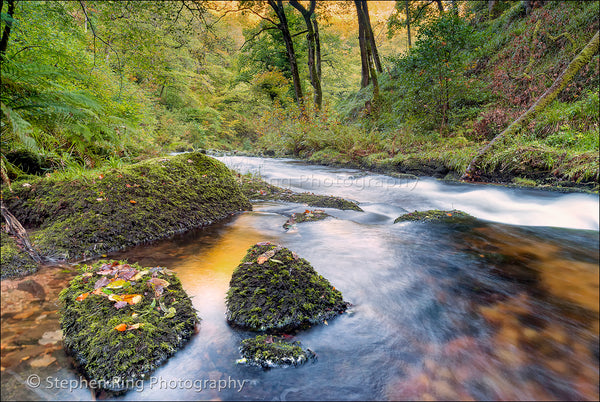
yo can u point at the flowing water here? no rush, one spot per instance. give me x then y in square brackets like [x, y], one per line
[506, 308]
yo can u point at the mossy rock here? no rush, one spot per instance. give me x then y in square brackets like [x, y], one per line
[270, 351]
[150, 200]
[434, 215]
[122, 321]
[14, 262]
[306, 216]
[274, 289]
[257, 189]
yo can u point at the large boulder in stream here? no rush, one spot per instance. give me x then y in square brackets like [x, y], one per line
[121, 321]
[99, 212]
[434, 215]
[274, 289]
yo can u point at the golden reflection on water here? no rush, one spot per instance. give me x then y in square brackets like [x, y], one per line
[206, 275]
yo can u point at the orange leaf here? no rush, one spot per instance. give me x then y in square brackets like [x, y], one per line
[133, 201]
[449, 214]
[82, 296]
[132, 299]
[121, 327]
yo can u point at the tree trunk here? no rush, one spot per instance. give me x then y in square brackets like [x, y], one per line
[551, 93]
[440, 6]
[362, 42]
[406, 3]
[7, 28]
[371, 36]
[277, 6]
[317, 48]
[16, 229]
[310, 39]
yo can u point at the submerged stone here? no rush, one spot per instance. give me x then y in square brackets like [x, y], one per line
[154, 199]
[274, 289]
[434, 215]
[270, 351]
[121, 321]
[306, 216]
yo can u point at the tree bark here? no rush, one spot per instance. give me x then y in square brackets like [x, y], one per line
[362, 43]
[277, 6]
[551, 93]
[7, 28]
[371, 36]
[406, 9]
[310, 39]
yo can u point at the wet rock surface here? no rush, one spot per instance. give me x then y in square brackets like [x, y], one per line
[121, 321]
[434, 215]
[257, 189]
[273, 289]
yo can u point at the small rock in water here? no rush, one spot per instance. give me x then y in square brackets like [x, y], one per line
[43, 361]
[51, 337]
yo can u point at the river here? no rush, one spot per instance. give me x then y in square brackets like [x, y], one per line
[506, 308]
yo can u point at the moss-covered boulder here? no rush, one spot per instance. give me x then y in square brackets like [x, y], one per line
[306, 216]
[269, 351]
[274, 289]
[257, 189]
[121, 321]
[14, 261]
[434, 215]
[154, 199]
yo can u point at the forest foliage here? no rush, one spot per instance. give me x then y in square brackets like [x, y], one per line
[88, 84]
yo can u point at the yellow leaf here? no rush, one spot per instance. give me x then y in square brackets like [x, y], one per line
[139, 275]
[119, 283]
[115, 297]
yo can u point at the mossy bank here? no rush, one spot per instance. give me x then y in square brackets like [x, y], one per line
[256, 188]
[121, 321]
[273, 289]
[13, 260]
[150, 200]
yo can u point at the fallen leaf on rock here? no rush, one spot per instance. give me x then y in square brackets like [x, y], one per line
[264, 257]
[132, 299]
[120, 304]
[82, 297]
[139, 275]
[159, 282]
[101, 282]
[171, 312]
[119, 283]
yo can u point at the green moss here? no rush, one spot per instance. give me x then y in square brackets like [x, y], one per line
[434, 215]
[257, 189]
[291, 296]
[271, 351]
[14, 262]
[164, 314]
[306, 216]
[150, 200]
